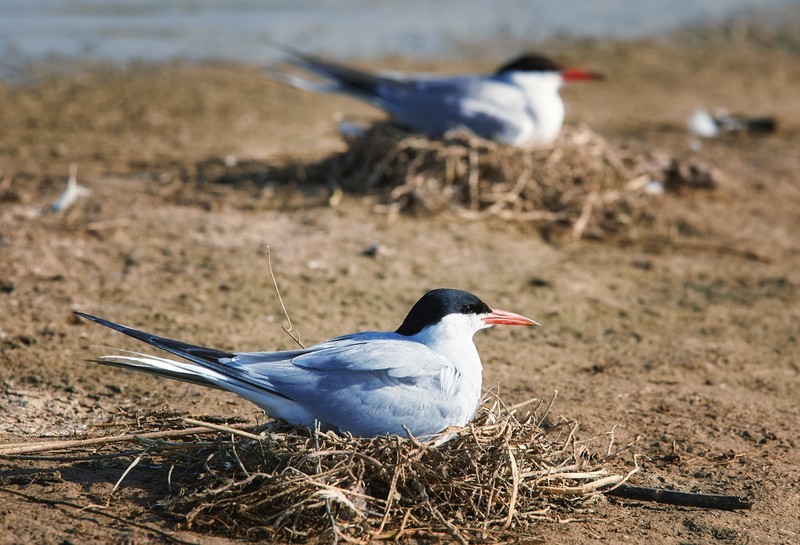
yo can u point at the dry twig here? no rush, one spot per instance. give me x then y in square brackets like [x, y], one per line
[582, 184]
[291, 331]
[494, 480]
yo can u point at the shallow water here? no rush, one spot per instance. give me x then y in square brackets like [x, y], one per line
[242, 30]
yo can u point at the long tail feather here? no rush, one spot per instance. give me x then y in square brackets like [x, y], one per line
[335, 78]
[213, 367]
[349, 79]
[198, 354]
[162, 367]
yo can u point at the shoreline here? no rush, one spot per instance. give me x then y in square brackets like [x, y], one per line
[778, 20]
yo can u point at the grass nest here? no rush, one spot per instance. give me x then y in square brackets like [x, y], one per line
[581, 184]
[494, 480]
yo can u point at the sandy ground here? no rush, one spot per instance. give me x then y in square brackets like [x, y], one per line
[688, 348]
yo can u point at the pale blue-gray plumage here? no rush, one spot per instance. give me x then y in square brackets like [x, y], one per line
[517, 105]
[423, 377]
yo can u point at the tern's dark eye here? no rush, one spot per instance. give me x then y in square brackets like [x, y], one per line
[468, 309]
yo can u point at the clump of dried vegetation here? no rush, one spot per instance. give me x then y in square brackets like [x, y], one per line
[511, 469]
[581, 183]
[581, 186]
[493, 480]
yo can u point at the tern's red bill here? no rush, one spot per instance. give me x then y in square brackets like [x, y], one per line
[503, 317]
[577, 74]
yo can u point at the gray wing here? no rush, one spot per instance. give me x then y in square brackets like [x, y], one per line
[428, 104]
[364, 386]
[359, 357]
[437, 105]
[389, 352]
[367, 384]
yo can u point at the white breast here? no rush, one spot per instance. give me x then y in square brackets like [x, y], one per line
[543, 106]
[452, 338]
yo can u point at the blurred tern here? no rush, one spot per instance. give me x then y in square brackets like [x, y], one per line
[425, 376]
[518, 105]
[70, 194]
[705, 125]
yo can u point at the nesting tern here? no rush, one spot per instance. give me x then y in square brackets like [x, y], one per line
[518, 105]
[421, 378]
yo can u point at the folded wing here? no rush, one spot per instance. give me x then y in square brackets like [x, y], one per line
[366, 384]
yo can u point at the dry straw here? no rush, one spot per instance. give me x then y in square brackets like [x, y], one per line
[581, 184]
[493, 480]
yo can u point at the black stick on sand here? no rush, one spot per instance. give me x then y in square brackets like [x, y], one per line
[687, 499]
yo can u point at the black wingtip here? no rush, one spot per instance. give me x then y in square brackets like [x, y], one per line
[131, 332]
[102, 321]
[296, 56]
[347, 79]
[283, 46]
[195, 353]
[84, 315]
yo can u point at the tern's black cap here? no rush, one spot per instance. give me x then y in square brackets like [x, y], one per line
[438, 303]
[530, 62]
